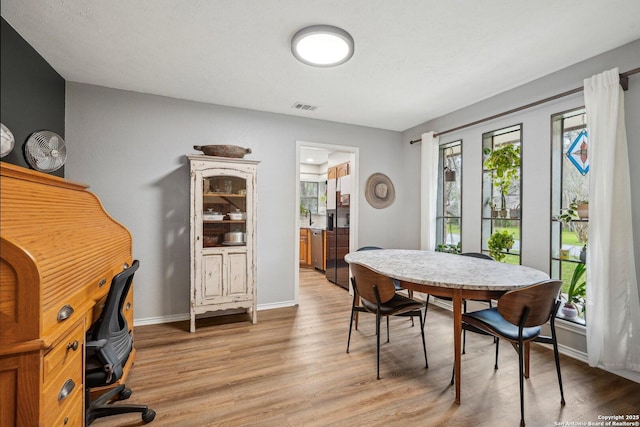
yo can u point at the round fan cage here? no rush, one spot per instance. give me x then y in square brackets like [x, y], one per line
[7, 140]
[45, 151]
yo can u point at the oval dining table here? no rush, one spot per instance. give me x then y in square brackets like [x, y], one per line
[449, 275]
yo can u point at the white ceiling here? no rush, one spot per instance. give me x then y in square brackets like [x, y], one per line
[414, 59]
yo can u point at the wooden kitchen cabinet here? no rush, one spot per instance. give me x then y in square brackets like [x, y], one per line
[223, 235]
[305, 248]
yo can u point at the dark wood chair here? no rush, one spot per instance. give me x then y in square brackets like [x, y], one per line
[518, 318]
[396, 283]
[378, 295]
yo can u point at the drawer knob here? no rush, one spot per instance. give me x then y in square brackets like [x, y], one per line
[102, 283]
[65, 312]
[66, 389]
[128, 306]
[73, 345]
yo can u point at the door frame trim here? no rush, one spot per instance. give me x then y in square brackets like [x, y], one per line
[354, 153]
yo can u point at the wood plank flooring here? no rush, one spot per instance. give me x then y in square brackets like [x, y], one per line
[291, 369]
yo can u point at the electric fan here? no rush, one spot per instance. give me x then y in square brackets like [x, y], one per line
[7, 139]
[45, 151]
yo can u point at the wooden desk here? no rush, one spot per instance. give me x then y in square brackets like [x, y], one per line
[448, 275]
[59, 250]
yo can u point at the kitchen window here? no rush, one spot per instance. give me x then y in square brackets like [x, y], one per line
[449, 213]
[308, 198]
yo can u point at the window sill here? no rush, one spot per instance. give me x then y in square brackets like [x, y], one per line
[576, 324]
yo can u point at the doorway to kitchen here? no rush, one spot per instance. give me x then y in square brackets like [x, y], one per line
[327, 203]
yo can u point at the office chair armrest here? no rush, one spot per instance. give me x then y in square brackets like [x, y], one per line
[108, 358]
[95, 345]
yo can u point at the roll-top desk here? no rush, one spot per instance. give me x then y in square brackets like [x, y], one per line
[59, 250]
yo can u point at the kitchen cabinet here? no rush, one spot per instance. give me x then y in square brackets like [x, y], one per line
[223, 235]
[305, 248]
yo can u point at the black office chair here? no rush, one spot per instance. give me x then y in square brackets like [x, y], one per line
[108, 346]
[378, 295]
[519, 318]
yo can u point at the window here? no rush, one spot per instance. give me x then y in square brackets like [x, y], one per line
[501, 198]
[449, 214]
[308, 197]
[569, 215]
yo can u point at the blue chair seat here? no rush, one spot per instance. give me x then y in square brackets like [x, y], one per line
[491, 319]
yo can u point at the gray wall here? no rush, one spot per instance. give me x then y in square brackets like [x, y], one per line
[32, 93]
[130, 148]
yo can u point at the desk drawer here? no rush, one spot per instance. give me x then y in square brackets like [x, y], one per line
[70, 416]
[64, 352]
[63, 384]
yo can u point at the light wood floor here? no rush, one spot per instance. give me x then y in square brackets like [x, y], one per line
[291, 369]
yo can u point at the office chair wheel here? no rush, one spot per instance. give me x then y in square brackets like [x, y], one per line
[125, 394]
[148, 415]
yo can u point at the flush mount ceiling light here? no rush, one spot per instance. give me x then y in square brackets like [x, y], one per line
[322, 46]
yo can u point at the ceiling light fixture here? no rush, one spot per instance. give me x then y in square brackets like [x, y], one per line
[322, 46]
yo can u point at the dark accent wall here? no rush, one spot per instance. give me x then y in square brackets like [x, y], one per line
[32, 93]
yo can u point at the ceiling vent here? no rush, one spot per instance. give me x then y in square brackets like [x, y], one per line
[304, 107]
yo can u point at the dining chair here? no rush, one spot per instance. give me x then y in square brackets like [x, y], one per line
[518, 318]
[465, 327]
[396, 284]
[378, 295]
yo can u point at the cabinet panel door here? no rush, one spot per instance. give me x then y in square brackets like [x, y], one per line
[212, 276]
[237, 273]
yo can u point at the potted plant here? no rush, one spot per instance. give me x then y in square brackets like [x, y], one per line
[576, 293]
[495, 212]
[582, 207]
[514, 213]
[499, 243]
[504, 165]
[448, 248]
[578, 209]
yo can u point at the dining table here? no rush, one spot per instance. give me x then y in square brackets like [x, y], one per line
[452, 276]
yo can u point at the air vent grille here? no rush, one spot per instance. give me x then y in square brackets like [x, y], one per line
[304, 107]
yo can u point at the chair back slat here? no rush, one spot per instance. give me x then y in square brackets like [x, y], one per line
[366, 279]
[540, 298]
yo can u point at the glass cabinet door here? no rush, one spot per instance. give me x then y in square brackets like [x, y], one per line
[224, 211]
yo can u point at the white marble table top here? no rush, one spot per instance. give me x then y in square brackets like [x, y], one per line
[446, 270]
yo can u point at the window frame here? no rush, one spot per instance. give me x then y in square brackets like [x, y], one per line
[488, 221]
[556, 194]
[441, 216]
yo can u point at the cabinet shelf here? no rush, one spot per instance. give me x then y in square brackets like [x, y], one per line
[226, 195]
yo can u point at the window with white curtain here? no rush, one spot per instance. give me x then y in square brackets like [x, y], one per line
[569, 204]
[449, 207]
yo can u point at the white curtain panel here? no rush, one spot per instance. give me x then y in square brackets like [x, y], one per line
[613, 308]
[428, 190]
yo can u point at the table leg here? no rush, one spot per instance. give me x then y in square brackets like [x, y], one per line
[457, 338]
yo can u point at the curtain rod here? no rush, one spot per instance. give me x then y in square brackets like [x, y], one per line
[624, 82]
